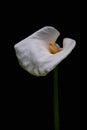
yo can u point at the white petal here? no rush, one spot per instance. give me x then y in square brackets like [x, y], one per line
[33, 54]
[47, 33]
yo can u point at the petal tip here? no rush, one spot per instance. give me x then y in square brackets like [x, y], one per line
[69, 41]
[52, 28]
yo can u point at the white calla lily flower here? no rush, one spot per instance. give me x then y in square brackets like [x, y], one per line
[39, 54]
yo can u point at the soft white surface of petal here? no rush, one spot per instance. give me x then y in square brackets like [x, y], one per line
[46, 34]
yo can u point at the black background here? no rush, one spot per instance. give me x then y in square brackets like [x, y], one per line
[28, 100]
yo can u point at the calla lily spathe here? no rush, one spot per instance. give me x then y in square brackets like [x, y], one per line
[39, 54]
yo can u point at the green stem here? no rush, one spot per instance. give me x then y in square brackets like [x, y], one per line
[56, 110]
